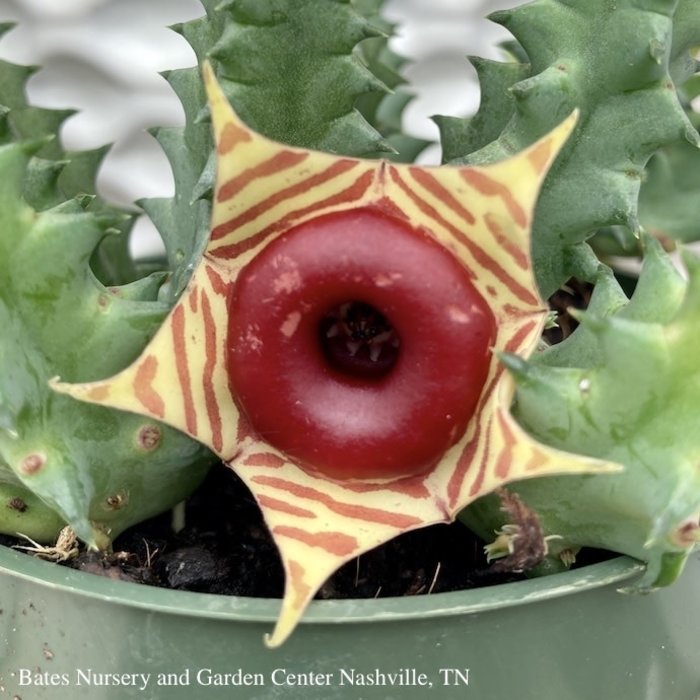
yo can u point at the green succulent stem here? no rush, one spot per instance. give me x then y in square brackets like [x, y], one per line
[101, 470]
[612, 61]
[62, 462]
[622, 387]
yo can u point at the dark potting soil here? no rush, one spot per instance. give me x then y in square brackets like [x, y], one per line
[225, 547]
[574, 294]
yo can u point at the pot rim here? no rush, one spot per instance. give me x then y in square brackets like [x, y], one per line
[243, 609]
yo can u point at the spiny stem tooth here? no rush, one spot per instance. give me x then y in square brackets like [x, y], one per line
[352, 347]
[333, 331]
[375, 350]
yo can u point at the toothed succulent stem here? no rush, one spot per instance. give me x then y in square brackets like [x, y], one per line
[624, 387]
[313, 294]
[612, 62]
[95, 480]
[61, 462]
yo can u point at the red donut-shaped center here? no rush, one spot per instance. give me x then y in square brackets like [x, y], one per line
[358, 346]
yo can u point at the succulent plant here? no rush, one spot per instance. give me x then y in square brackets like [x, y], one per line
[61, 462]
[347, 333]
[614, 62]
[332, 442]
[622, 387]
[621, 402]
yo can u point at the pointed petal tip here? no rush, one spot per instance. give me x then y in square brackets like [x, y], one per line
[229, 128]
[208, 72]
[215, 94]
[92, 392]
[274, 640]
[556, 139]
[56, 384]
[286, 624]
[585, 466]
[61, 387]
[526, 170]
[602, 467]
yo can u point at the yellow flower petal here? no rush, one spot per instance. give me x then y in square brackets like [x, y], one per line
[482, 214]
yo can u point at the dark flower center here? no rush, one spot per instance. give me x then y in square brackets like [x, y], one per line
[359, 340]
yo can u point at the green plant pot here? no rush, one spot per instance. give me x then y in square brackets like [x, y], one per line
[570, 636]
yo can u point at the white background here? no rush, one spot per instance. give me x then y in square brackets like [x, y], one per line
[102, 57]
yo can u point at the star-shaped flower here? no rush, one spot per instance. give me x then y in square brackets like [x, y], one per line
[338, 343]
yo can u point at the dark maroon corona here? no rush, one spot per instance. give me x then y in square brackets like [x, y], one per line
[358, 346]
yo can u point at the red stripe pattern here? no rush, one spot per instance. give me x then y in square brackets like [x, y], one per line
[277, 163]
[263, 189]
[144, 392]
[183, 368]
[351, 194]
[254, 212]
